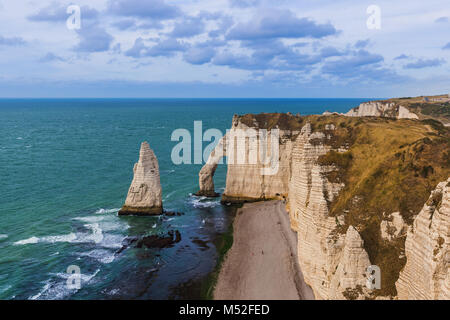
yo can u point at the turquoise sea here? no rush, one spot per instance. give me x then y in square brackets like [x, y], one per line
[65, 169]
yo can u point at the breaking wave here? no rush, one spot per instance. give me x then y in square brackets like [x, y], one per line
[95, 236]
[202, 202]
[57, 289]
[103, 211]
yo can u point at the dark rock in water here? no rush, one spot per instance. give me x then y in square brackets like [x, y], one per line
[155, 241]
[177, 236]
[129, 240]
[172, 213]
[126, 243]
[208, 194]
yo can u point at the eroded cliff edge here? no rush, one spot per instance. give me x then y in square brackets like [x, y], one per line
[350, 183]
[425, 107]
[426, 274]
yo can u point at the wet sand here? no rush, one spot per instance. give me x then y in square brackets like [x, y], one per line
[262, 263]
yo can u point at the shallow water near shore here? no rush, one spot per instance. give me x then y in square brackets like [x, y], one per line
[66, 166]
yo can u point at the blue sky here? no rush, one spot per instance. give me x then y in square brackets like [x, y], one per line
[224, 48]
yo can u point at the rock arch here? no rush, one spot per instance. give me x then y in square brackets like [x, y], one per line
[206, 174]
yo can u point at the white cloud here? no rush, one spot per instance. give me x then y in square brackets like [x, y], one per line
[229, 41]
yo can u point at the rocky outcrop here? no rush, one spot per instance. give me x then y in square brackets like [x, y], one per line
[426, 273]
[404, 113]
[393, 227]
[151, 241]
[349, 280]
[206, 174]
[381, 109]
[145, 194]
[337, 239]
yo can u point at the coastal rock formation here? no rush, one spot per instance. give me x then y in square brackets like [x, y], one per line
[206, 174]
[302, 181]
[151, 241]
[145, 194]
[324, 253]
[381, 109]
[156, 241]
[394, 227]
[340, 176]
[426, 274]
[404, 113]
[350, 276]
[249, 147]
[246, 179]
[425, 107]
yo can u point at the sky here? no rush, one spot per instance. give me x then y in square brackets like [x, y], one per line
[225, 48]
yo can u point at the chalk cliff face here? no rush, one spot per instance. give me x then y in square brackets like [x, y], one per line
[343, 223]
[332, 262]
[349, 280]
[425, 107]
[381, 109]
[145, 194]
[427, 271]
[246, 180]
[325, 256]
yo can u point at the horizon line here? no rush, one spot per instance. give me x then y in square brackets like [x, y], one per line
[185, 98]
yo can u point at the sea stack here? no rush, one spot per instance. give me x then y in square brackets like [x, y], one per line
[145, 194]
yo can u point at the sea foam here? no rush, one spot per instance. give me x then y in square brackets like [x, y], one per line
[103, 211]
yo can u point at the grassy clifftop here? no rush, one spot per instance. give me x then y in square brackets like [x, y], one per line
[427, 107]
[390, 166]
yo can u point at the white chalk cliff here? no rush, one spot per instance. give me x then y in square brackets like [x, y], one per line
[332, 262]
[381, 109]
[331, 252]
[351, 270]
[325, 256]
[245, 178]
[426, 274]
[145, 194]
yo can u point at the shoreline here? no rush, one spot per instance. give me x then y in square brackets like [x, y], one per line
[262, 262]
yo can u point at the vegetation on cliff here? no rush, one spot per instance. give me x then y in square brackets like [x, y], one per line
[268, 121]
[386, 165]
[390, 166]
[427, 107]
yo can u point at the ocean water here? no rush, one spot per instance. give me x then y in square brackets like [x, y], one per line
[65, 169]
